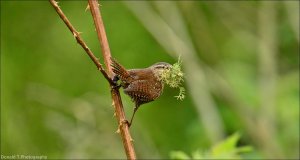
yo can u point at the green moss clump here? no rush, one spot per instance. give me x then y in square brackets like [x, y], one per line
[173, 77]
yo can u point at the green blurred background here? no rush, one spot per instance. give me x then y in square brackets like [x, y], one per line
[240, 60]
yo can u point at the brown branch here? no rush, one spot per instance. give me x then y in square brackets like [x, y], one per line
[124, 129]
[79, 40]
[95, 10]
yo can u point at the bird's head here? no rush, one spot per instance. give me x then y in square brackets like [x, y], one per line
[160, 67]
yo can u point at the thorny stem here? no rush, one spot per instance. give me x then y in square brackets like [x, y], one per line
[95, 11]
[80, 40]
[124, 129]
[120, 114]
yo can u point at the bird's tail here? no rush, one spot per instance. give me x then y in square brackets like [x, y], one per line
[119, 70]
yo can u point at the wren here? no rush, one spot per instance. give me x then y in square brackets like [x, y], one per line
[142, 85]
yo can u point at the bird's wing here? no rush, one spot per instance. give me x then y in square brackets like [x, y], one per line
[143, 91]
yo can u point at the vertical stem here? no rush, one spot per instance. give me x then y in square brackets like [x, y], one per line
[124, 129]
[95, 10]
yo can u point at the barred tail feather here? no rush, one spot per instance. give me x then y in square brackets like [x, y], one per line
[119, 70]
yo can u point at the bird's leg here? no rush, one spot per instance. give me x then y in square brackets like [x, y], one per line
[134, 110]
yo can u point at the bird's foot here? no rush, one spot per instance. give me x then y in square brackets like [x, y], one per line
[124, 121]
[115, 83]
[115, 79]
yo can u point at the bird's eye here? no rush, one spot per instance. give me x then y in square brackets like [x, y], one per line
[160, 66]
[166, 67]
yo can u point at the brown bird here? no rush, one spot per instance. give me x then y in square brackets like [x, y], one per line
[142, 85]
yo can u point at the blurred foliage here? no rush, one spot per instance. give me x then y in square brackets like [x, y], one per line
[241, 65]
[226, 149]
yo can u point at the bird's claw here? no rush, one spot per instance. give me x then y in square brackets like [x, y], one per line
[124, 121]
[115, 79]
[115, 84]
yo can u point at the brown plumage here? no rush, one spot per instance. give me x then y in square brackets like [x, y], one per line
[142, 85]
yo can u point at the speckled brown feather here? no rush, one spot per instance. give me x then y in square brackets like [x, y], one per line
[144, 91]
[140, 84]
